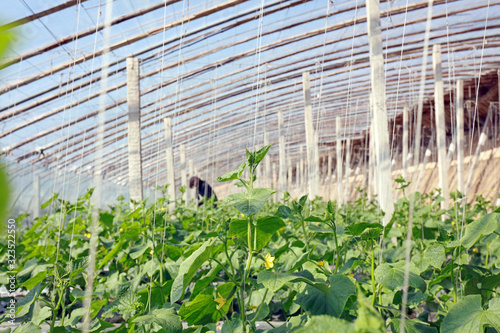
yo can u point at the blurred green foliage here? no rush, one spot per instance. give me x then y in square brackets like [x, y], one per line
[6, 38]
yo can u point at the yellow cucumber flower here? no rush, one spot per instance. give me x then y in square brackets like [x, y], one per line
[221, 301]
[268, 261]
[321, 263]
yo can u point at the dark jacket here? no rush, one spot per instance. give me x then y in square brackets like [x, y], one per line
[204, 190]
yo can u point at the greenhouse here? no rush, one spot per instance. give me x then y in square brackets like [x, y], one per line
[250, 166]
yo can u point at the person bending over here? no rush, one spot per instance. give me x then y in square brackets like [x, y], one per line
[202, 190]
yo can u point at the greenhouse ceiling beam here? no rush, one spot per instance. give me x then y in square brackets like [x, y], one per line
[88, 143]
[294, 39]
[224, 139]
[151, 143]
[56, 69]
[84, 33]
[198, 56]
[191, 126]
[150, 91]
[39, 15]
[75, 103]
[154, 143]
[269, 10]
[30, 107]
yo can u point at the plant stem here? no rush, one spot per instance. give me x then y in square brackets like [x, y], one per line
[452, 280]
[337, 259]
[487, 255]
[260, 306]
[227, 320]
[54, 314]
[373, 276]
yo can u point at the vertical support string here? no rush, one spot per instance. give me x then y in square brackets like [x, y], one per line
[98, 180]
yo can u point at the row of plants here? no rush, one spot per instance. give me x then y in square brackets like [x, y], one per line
[315, 265]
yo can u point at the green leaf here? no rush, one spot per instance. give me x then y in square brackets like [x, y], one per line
[30, 327]
[327, 324]
[411, 326]
[107, 219]
[369, 319]
[275, 280]
[41, 315]
[468, 316]
[202, 310]
[265, 229]
[314, 219]
[365, 230]
[293, 325]
[260, 154]
[303, 200]
[127, 304]
[283, 211]
[392, 276]
[77, 266]
[483, 226]
[111, 254]
[227, 291]
[249, 203]
[165, 318]
[205, 281]
[235, 174]
[319, 303]
[33, 281]
[435, 254]
[138, 251]
[188, 269]
[24, 304]
[47, 203]
[236, 326]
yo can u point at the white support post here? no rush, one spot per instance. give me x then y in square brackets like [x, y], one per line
[289, 174]
[372, 163]
[282, 158]
[339, 162]
[36, 196]
[267, 164]
[440, 125]
[460, 136]
[347, 170]
[318, 166]
[191, 191]
[311, 140]
[329, 176]
[170, 158]
[302, 178]
[134, 129]
[275, 180]
[406, 112]
[182, 153]
[427, 155]
[381, 133]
